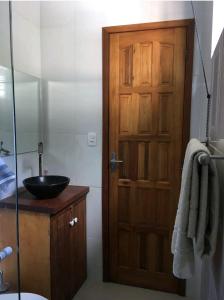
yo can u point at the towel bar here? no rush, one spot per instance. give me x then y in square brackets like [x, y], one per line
[205, 158]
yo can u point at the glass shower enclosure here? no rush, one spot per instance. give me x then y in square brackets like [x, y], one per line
[9, 238]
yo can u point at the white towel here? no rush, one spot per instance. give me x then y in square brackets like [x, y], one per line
[196, 225]
[7, 177]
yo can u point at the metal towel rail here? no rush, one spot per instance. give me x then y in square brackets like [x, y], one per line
[205, 158]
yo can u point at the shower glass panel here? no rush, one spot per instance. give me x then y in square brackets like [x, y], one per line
[9, 259]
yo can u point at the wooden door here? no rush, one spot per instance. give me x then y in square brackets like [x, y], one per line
[147, 99]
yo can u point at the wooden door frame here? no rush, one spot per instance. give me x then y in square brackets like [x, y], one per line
[106, 31]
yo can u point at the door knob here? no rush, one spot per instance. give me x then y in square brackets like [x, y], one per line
[114, 162]
[73, 222]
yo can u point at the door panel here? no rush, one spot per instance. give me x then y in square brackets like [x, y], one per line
[142, 66]
[145, 114]
[125, 102]
[146, 100]
[126, 61]
[165, 113]
[166, 64]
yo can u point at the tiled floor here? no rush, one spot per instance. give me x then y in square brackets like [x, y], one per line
[110, 291]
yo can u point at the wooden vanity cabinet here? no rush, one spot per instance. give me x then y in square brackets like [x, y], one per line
[52, 242]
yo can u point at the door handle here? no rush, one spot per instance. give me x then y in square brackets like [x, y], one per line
[73, 222]
[114, 162]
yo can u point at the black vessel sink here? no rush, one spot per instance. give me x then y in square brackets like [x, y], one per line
[44, 187]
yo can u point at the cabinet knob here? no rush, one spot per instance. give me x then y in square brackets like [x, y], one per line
[73, 222]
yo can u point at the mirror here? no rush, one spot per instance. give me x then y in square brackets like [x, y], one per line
[6, 112]
[27, 106]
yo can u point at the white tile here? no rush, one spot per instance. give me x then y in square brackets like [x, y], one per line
[70, 155]
[26, 44]
[198, 108]
[73, 107]
[5, 59]
[58, 64]
[88, 162]
[61, 108]
[27, 166]
[61, 13]
[94, 213]
[30, 10]
[58, 155]
[94, 258]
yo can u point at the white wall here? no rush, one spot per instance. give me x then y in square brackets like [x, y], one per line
[71, 49]
[218, 22]
[26, 36]
[4, 34]
[203, 11]
[27, 59]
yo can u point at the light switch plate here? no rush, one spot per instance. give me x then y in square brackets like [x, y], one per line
[91, 139]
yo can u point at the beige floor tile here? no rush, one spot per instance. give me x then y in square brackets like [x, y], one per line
[109, 291]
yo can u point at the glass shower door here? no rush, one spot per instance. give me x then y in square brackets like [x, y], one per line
[9, 254]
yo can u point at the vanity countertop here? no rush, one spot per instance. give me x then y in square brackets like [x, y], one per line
[51, 206]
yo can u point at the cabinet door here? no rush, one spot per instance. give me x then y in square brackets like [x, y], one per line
[60, 255]
[78, 248]
[68, 251]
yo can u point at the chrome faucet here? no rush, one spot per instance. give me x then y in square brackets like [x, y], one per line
[40, 153]
[3, 150]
